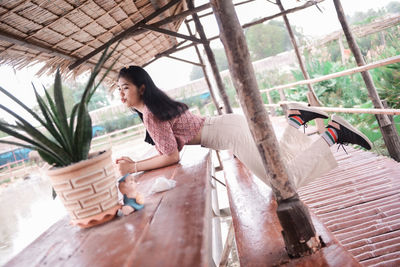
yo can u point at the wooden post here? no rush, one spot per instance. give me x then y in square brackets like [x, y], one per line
[283, 98]
[228, 246]
[312, 97]
[204, 72]
[388, 129]
[298, 231]
[282, 95]
[341, 47]
[272, 109]
[211, 59]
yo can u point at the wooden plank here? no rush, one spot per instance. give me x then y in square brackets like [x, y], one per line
[257, 229]
[180, 232]
[173, 223]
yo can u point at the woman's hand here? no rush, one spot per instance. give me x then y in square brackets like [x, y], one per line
[125, 165]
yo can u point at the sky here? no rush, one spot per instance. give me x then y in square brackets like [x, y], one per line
[169, 73]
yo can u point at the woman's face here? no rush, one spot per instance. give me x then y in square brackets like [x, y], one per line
[130, 95]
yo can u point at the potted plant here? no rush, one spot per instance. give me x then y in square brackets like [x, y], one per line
[85, 182]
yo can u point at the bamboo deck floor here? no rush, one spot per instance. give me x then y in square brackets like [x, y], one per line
[359, 203]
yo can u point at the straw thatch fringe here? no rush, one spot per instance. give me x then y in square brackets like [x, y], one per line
[59, 32]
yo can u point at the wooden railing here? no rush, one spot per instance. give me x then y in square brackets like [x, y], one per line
[388, 111]
[373, 65]
[383, 114]
[380, 63]
[119, 135]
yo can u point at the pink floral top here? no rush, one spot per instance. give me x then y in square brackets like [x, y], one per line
[173, 134]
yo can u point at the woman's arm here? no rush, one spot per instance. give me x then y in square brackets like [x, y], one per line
[126, 165]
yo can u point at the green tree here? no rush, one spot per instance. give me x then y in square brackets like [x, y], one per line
[99, 99]
[393, 7]
[361, 18]
[268, 39]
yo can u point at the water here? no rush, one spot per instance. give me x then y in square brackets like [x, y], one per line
[26, 210]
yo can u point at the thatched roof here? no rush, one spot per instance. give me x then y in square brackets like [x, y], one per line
[60, 32]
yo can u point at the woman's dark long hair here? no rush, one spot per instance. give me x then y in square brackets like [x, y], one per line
[158, 102]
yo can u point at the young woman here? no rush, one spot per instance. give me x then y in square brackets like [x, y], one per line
[170, 125]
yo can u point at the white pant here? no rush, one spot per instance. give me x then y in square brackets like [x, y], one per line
[304, 158]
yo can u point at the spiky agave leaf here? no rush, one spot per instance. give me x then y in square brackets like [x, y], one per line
[83, 131]
[52, 111]
[71, 141]
[106, 72]
[47, 116]
[72, 120]
[34, 133]
[60, 111]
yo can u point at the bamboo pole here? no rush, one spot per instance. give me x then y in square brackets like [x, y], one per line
[272, 110]
[298, 231]
[373, 65]
[214, 99]
[171, 33]
[282, 95]
[211, 59]
[312, 97]
[185, 60]
[388, 129]
[211, 13]
[287, 11]
[386, 111]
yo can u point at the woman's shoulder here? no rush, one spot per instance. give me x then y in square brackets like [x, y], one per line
[149, 117]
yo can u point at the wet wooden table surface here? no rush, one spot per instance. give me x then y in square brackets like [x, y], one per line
[257, 229]
[174, 228]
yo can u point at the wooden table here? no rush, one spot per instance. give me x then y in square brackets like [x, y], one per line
[174, 228]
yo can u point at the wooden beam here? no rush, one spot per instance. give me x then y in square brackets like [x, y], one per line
[245, 83]
[211, 59]
[184, 14]
[124, 34]
[167, 20]
[206, 78]
[166, 54]
[172, 33]
[174, 50]
[366, 67]
[300, 240]
[312, 97]
[210, 13]
[287, 11]
[388, 129]
[186, 61]
[16, 40]
[33, 45]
